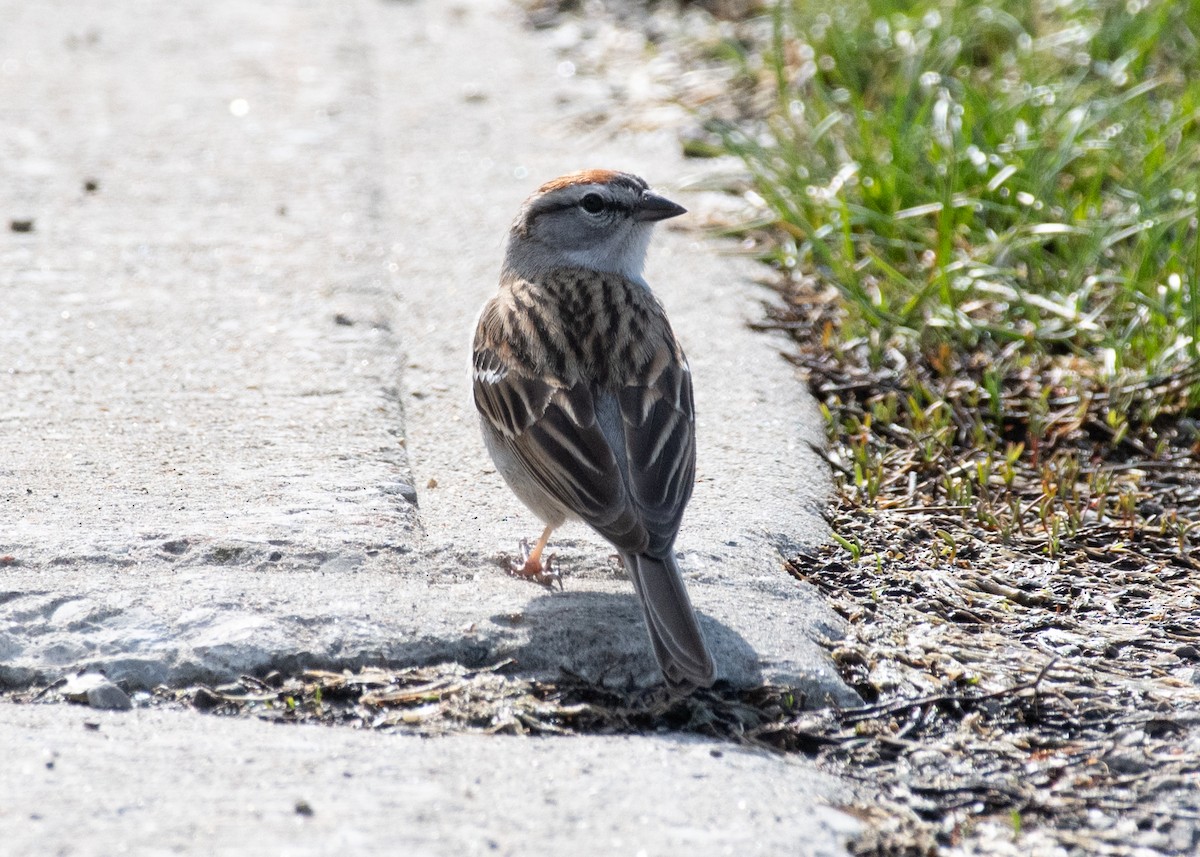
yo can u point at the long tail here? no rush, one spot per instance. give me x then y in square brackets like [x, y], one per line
[676, 636]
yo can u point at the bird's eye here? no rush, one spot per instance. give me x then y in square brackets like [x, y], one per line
[592, 203]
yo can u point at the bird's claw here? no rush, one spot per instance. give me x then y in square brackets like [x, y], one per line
[534, 570]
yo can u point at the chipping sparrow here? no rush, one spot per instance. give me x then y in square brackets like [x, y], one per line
[585, 397]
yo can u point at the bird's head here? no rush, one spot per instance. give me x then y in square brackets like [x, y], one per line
[600, 220]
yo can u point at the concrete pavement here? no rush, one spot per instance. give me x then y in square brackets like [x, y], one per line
[220, 361]
[81, 782]
[234, 426]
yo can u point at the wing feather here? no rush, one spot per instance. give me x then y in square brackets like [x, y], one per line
[553, 432]
[660, 447]
[630, 481]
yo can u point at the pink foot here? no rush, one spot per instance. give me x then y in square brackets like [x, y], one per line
[531, 568]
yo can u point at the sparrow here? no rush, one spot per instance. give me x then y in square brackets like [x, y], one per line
[585, 396]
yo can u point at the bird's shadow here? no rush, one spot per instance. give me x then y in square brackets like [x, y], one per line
[602, 638]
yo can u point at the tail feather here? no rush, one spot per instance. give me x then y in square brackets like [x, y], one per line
[675, 634]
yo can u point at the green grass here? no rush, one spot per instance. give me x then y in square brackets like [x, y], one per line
[1004, 195]
[982, 174]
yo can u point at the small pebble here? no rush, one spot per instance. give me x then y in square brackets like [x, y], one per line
[109, 697]
[402, 488]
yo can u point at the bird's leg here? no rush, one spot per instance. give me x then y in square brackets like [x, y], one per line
[531, 566]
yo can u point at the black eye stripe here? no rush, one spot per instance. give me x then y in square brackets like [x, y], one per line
[609, 205]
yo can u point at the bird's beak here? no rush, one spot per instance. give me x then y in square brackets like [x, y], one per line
[653, 207]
